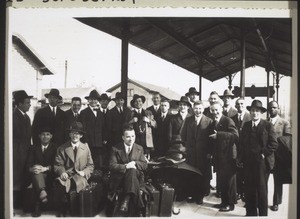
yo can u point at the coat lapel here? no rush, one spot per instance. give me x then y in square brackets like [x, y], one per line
[80, 151]
[122, 153]
[69, 151]
[135, 153]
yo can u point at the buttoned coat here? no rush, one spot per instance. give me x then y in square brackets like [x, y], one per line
[93, 126]
[65, 162]
[231, 112]
[21, 145]
[197, 143]
[44, 118]
[267, 139]
[176, 125]
[282, 127]
[161, 143]
[118, 159]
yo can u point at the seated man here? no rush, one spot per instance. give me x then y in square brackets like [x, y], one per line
[73, 165]
[40, 164]
[127, 164]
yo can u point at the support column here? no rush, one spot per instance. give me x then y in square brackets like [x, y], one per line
[124, 63]
[230, 82]
[200, 87]
[243, 63]
[268, 90]
[277, 87]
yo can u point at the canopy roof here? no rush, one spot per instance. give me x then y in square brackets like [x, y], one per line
[209, 47]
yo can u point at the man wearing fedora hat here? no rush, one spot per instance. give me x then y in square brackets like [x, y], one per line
[142, 121]
[195, 134]
[116, 119]
[21, 143]
[213, 98]
[192, 94]
[259, 143]
[73, 166]
[73, 114]
[93, 124]
[178, 120]
[51, 116]
[228, 110]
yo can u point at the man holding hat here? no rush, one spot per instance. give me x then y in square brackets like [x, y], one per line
[51, 116]
[73, 166]
[228, 110]
[93, 124]
[178, 120]
[21, 142]
[142, 122]
[116, 119]
[259, 143]
[40, 164]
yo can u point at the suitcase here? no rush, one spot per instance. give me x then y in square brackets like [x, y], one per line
[154, 198]
[74, 203]
[89, 200]
[166, 199]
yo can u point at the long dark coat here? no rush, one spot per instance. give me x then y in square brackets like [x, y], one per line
[197, 143]
[70, 119]
[115, 122]
[156, 114]
[93, 127]
[21, 145]
[161, 143]
[45, 118]
[65, 162]
[176, 125]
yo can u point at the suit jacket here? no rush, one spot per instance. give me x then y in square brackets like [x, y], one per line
[70, 118]
[64, 162]
[267, 141]
[119, 158]
[44, 117]
[105, 130]
[21, 145]
[156, 114]
[282, 127]
[176, 125]
[197, 142]
[283, 156]
[208, 113]
[93, 127]
[246, 118]
[161, 140]
[115, 122]
[231, 112]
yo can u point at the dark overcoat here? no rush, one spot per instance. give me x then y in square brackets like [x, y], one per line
[65, 162]
[231, 112]
[175, 126]
[156, 114]
[161, 143]
[21, 145]
[45, 118]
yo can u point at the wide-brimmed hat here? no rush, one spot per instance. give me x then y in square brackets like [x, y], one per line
[104, 96]
[119, 96]
[77, 127]
[93, 94]
[227, 93]
[176, 153]
[192, 90]
[54, 92]
[257, 104]
[185, 100]
[175, 158]
[20, 95]
[136, 96]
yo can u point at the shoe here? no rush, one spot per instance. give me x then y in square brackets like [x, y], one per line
[218, 194]
[274, 207]
[212, 187]
[227, 208]
[37, 211]
[124, 206]
[199, 202]
[219, 205]
[190, 200]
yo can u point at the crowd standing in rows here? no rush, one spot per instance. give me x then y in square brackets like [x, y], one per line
[69, 145]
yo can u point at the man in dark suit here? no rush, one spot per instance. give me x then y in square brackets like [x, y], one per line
[51, 116]
[73, 114]
[193, 96]
[195, 134]
[225, 137]
[161, 145]
[21, 143]
[179, 119]
[104, 101]
[93, 125]
[73, 166]
[142, 121]
[239, 119]
[155, 108]
[228, 110]
[127, 165]
[259, 143]
[116, 119]
[282, 127]
[213, 98]
[40, 164]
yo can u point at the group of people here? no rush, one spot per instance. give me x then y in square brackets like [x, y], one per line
[69, 145]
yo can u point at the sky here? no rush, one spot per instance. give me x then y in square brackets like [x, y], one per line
[94, 57]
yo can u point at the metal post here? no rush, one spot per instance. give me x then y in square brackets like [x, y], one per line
[268, 90]
[243, 63]
[200, 87]
[124, 63]
[230, 81]
[277, 87]
[66, 72]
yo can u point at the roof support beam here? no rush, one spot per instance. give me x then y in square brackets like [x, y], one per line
[124, 62]
[243, 62]
[190, 46]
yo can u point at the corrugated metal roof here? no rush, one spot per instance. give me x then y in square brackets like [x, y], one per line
[210, 47]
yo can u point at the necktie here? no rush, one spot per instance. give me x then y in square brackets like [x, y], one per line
[75, 152]
[240, 120]
[104, 111]
[215, 123]
[254, 128]
[128, 151]
[76, 115]
[53, 111]
[163, 117]
[43, 149]
[120, 110]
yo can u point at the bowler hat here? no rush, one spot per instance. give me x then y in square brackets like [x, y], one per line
[185, 100]
[104, 96]
[93, 94]
[227, 93]
[119, 95]
[20, 95]
[77, 127]
[136, 96]
[257, 104]
[192, 90]
[54, 92]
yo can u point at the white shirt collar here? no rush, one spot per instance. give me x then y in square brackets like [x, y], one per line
[45, 146]
[183, 115]
[255, 122]
[74, 145]
[242, 114]
[22, 112]
[156, 107]
[274, 119]
[138, 110]
[164, 114]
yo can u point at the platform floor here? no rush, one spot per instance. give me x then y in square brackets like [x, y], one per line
[191, 210]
